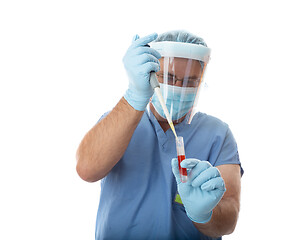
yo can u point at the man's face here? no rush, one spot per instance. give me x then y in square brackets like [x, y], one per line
[180, 72]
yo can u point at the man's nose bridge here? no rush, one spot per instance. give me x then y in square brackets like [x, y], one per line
[178, 83]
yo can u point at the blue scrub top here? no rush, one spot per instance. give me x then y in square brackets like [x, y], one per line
[138, 195]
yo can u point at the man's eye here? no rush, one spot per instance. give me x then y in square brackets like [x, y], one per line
[170, 78]
[195, 83]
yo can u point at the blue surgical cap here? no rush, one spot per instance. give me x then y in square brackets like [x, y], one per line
[180, 36]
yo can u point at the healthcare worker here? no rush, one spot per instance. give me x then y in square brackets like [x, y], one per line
[132, 150]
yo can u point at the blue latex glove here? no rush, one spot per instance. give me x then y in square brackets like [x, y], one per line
[203, 190]
[139, 61]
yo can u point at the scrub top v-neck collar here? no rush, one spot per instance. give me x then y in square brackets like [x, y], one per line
[163, 137]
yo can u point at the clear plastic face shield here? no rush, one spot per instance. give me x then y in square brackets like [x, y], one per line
[180, 77]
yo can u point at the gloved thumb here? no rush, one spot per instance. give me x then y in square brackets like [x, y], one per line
[135, 38]
[175, 170]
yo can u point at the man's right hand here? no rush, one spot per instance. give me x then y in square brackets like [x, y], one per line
[139, 61]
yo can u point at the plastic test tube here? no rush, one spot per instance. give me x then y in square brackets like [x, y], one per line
[181, 157]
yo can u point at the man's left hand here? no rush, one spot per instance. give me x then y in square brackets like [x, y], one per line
[203, 189]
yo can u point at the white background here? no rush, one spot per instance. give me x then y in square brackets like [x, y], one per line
[61, 69]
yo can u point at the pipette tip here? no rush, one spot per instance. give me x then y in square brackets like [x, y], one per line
[173, 129]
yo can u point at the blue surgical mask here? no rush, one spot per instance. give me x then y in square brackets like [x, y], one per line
[179, 100]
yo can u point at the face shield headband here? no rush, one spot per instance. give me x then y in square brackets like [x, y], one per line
[180, 77]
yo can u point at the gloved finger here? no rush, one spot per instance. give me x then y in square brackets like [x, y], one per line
[145, 40]
[206, 175]
[142, 50]
[200, 167]
[147, 58]
[189, 162]
[214, 183]
[218, 194]
[135, 37]
[175, 170]
[148, 67]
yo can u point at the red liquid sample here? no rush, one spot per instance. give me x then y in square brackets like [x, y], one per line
[181, 170]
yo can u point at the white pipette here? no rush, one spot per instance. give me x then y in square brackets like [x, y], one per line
[156, 86]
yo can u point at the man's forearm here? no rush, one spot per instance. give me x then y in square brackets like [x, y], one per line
[104, 145]
[223, 220]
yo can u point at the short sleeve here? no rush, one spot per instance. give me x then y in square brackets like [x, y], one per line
[227, 151]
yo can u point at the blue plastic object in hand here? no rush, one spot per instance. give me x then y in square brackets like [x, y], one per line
[139, 61]
[203, 189]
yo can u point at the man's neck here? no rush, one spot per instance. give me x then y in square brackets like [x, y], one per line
[164, 125]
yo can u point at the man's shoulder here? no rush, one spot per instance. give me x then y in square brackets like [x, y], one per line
[209, 121]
